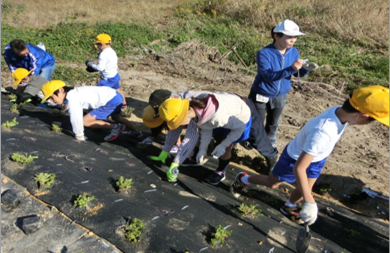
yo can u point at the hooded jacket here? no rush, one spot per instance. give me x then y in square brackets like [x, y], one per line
[274, 71]
[37, 59]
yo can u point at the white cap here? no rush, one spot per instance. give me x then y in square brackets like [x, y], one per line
[289, 28]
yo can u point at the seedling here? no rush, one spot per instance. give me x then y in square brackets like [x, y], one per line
[14, 108]
[124, 184]
[220, 235]
[127, 111]
[250, 210]
[23, 159]
[9, 124]
[56, 128]
[82, 200]
[11, 96]
[44, 179]
[134, 230]
[326, 187]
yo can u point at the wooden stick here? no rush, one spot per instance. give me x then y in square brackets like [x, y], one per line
[243, 63]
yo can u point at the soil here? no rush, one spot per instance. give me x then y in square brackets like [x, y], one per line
[360, 159]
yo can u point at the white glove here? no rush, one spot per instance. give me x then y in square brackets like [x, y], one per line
[309, 212]
[200, 156]
[218, 151]
[81, 138]
[311, 66]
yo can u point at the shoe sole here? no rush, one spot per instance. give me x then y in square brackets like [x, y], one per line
[119, 133]
[217, 182]
[291, 217]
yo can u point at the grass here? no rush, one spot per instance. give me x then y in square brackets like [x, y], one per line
[355, 52]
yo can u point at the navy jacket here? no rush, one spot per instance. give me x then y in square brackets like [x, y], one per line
[274, 71]
[36, 59]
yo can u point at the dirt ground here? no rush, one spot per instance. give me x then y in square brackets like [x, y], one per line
[360, 159]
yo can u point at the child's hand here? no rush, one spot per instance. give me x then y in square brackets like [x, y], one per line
[81, 138]
[309, 212]
[297, 65]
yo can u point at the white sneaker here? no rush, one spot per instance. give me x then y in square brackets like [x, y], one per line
[115, 132]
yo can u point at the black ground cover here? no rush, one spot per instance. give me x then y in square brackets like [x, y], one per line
[178, 217]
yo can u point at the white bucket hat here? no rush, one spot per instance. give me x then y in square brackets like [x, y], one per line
[288, 27]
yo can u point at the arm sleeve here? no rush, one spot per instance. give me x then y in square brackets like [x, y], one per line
[7, 57]
[23, 97]
[102, 61]
[188, 143]
[205, 138]
[76, 118]
[34, 64]
[233, 136]
[171, 138]
[265, 70]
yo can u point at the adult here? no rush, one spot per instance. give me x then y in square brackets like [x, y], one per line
[18, 54]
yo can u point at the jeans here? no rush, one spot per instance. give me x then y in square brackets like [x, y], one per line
[48, 72]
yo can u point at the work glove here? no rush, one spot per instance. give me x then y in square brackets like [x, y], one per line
[218, 151]
[311, 66]
[200, 157]
[89, 66]
[309, 212]
[162, 157]
[173, 172]
[81, 138]
[88, 63]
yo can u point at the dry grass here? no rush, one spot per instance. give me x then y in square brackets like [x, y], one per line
[42, 13]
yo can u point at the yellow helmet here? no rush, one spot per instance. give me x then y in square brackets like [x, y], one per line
[174, 111]
[50, 87]
[149, 119]
[103, 38]
[19, 74]
[373, 101]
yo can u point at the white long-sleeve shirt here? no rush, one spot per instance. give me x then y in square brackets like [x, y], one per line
[86, 97]
[108, 63]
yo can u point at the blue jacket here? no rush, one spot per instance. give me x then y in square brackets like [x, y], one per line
[274, 71]
[36, 59]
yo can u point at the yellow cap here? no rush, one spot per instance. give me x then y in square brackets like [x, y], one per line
[103, 38]
[50, 87]
[174, 111]
[149, 119]
[19, 74]
[373, 101]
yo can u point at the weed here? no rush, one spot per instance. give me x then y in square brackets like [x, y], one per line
[9, 124]
[220, 235]
[134, 230]
[23, 159]
[127, 111]
[56, 128]
[124, 184]
[250, 210]
[14, 108]
[44, 179]
[82, 200]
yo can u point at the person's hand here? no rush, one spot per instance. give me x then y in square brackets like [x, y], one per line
[88, 63]
[81, 138]
[311, 66]
[173, 172]
[161, 158]
[309, 212]
[218, 151]
[297, 65]
[200, 157]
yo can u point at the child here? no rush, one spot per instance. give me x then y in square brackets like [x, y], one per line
[221, 114]
[276, 63]
[18, 54]
[104, 101]
[27, 85]
[304, 157]
[107, 64]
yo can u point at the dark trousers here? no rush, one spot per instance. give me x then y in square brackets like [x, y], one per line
[258, 137]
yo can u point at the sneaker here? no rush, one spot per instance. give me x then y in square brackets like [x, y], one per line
[174, 149]
[216, 177]
[292, 213]
[115, 132]
[191, 162]
[135, 134]
[237, 186]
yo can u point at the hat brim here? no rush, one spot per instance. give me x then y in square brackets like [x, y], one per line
[384, 121]
[176, 122]
[293, 33]
[17, 81]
